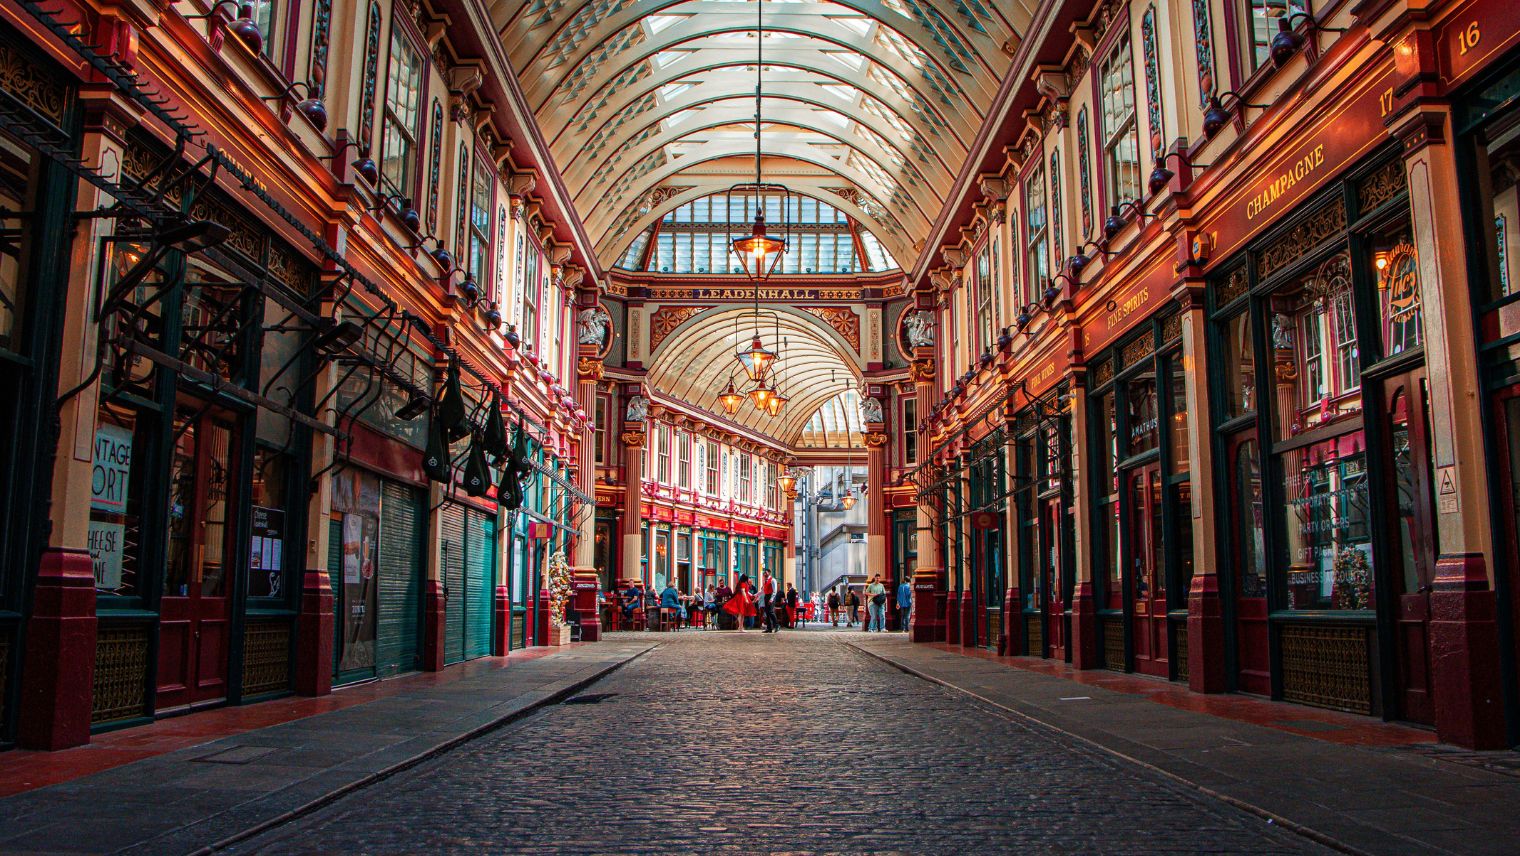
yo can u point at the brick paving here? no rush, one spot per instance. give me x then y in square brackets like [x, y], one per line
[754, 743]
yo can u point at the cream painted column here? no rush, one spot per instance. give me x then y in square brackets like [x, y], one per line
[876, 511]
[1205, 621]
[1463, 635]
[928, 622]
[586, 577]
[1014, 633]
[1083, 602]
[633, 496]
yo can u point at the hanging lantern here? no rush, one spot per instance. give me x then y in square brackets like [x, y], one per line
[760, 395]
[758, 252]
[731, 399]
[757, 360]
[848, 501]
[775, 402]
[787, 481]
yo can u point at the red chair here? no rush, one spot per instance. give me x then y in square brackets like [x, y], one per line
[639, 621]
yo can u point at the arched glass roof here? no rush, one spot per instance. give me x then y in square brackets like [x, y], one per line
[870, 105]
[835, 425]
[697, 236]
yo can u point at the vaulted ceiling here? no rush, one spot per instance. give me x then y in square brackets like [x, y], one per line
[869, 105]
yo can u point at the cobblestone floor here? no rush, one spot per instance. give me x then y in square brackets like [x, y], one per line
[756, 743]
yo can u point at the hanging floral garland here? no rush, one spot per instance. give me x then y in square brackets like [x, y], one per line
[559, 587]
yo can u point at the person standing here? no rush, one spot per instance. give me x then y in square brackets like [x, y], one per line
[768, 601]
[742, 605]
[876, 605]
[793, 604]
[834, 607]
[904, 604]
[710, 606]
[852, 603]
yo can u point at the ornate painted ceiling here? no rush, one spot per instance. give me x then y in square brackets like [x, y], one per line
[869, 105]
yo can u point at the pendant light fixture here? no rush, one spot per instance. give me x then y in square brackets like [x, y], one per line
[760, 395]
[848, 500]
[760, 252]
[777, 399]
[731, 398]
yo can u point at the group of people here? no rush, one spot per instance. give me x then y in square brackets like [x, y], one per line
[766, 605]
[745, 603]
[843, 602]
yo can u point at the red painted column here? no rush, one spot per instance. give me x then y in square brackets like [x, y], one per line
[1083, 643]
[314, 655]
[58, 674]
[1014, 633]
[929, 579]
[432, 626]
[501, 623]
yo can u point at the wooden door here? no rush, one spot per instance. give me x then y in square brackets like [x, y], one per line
[1051, 534]
[194, 613]
[1413, 549]
[1253, 642]
[1147, 570]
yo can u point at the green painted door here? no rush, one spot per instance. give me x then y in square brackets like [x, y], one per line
[479, 583]
[401, 528]
[452, 562]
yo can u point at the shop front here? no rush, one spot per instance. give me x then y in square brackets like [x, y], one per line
[36, 200]
[1487, 124]
[904, 559]
[714, 558]
[467, 565]
[1043, 506]
[1323, 440]
[200, 454]
[1141, 496]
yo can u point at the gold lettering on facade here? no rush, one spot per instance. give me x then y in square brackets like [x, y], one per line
[1286, 180]
[1130, 306]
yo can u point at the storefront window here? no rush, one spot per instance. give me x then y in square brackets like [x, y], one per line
[1251, 545]
[1396, 267]
[1143, 421]
[18, 175]
[116, 504]
[199, 479]
[1499, 198]
[1238, 369]
[1177, 415]
[267, 575]
[1325, 524]
[1314, 350]
[1110, 564]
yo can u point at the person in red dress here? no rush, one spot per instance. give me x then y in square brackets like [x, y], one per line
[742, 604]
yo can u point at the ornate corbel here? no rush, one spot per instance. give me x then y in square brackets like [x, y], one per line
[633, 439]
[921, 371]
[589, 368]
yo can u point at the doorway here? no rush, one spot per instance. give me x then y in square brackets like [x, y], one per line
[1148, 618]
[1413, 535]
[195, 614]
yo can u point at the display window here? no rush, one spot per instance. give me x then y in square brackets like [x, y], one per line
[1329, 476]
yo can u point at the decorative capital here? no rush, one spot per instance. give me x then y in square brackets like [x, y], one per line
[633, 439]
[921, 371]
[876, 439]
[589, 369]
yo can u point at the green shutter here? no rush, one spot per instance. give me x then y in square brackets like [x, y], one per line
[480, 579]
[452, 559]
[401, 525]
[335, 582]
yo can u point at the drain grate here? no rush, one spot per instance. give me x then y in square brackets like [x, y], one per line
[590, 698]
[236, 755]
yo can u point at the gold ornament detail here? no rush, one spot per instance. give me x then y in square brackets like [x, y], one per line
[921, 370]
[876, 439]
[844, 322]
[589, 369]
[665, 321]
[633, 439]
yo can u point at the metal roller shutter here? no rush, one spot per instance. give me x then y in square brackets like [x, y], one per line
[452, 561]
[480, 579]
[401, 525]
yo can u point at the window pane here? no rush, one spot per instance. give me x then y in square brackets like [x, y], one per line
[1325, 524]
[1314, 344]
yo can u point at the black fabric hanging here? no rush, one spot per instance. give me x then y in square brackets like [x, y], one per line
[495, 438]
[515, 471]
[451, 405]
[435, 457]
[477, 475]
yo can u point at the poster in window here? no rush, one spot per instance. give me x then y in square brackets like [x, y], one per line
[112, 468]
[106, 542]
[266, 552]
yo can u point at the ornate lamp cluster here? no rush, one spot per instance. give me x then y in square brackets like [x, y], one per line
[760, 254]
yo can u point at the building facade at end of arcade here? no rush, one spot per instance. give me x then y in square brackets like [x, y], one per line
[232, 306]
[1223, 382]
